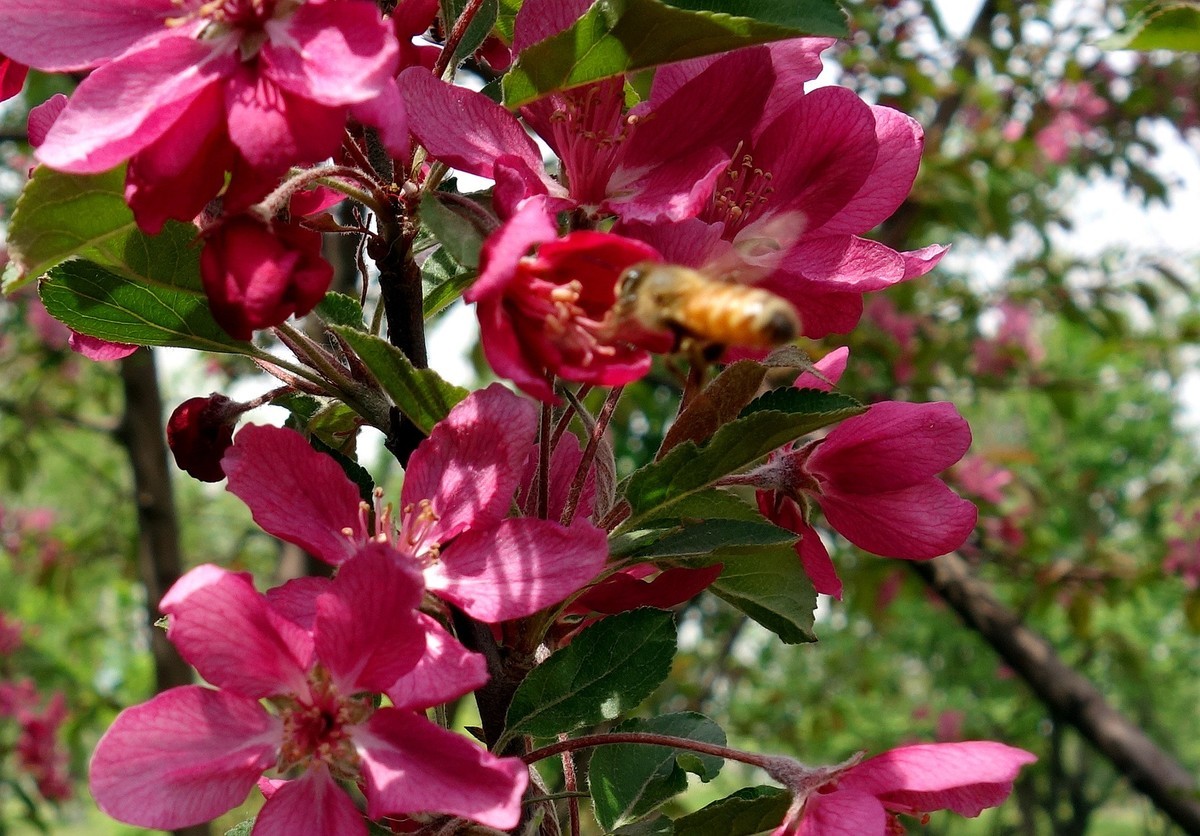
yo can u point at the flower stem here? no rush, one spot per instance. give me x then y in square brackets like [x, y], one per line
[589, 454]
[588, 741]
[457, 31]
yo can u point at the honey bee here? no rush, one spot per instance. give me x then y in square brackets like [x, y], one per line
[695, 308]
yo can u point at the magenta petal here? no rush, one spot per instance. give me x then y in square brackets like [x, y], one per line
[227, 632]
[891, 446]
[843, 813]
[366, 632]
[185, 757]
[294, 492]
[97, 349]
[274, 128]
[446, 671]
[922, 521]
[900, 140]
[845, 263]
[124, 106]
[462, 128]
[43, 116]
[517, 567]
[470, 464]
[386, 113]
[832, 366]
[331, 53]
[919, 262]
[313, 803]
[463, 779]
[819, 153]
[57, 35]
[539, 19]
[531, 225]
[964, 777]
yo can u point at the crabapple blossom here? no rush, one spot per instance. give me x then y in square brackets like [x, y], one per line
[875, 479]
[865, 799]
[187, 91]
[548, 313]
[316, 650]
[458, 486]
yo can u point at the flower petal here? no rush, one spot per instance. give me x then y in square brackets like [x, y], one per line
[57, 35]
[224, 628]
[463, 779]
[891, 446]
[294, 492]
[845, 263]
[185, 757]
[312, 803]
[446, 671]
[922, 521]
[470, 464]
[517, 567]
[842, 813]
[965, 777]
[274, 128]
[331, 53]
[366, 631]
[124, 106]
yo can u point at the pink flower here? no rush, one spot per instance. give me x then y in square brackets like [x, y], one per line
[546, 314]
[458, 488]
[186, 91]
[1183, 549]
[874, 478]
[1015, 345]
[256, 276]
[39, 751]
[97, 349]
[316, 651]
[867, 798]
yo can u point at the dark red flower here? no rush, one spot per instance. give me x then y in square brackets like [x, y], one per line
[199, 432]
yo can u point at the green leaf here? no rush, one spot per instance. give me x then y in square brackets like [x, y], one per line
[340, 309]
[59, 216]
[442, 281]
[477, 30]
[1173, 25]
[629, 780]
[747, 812]
[421, 394]
[766, 424]
[769, 585]
[714, 503]
[712, 535]
[461, 238]
[242, 829]
[506, 17]
[619, 36]
[656, 825]
[100, 303]
[605, 672]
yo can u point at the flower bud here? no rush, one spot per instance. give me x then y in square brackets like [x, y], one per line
[199, 432]
[257, 276]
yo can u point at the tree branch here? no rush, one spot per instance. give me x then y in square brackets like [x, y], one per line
[1069, 695]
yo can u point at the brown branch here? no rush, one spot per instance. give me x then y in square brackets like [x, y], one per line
[1069, 695]
[158, 553]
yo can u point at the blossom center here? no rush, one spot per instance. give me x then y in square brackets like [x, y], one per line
[565, 320]
[415, 533]
[589, 127]
[316, 727]
[740, 193]
[241, 23]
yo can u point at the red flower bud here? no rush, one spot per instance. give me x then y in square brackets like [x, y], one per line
[257, 276]
[199, 432]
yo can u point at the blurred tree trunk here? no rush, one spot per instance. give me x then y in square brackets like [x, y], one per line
[143, 435]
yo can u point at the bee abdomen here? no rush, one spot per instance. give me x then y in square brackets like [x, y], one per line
[733, 314]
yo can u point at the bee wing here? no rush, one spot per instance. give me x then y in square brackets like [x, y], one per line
[758, 249]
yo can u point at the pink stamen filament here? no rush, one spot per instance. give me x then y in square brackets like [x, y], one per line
[740, 193]
[415, 530]
[589, 130]
[315, 727]
[564, 320]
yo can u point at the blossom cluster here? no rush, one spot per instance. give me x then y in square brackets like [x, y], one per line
[741, 190]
